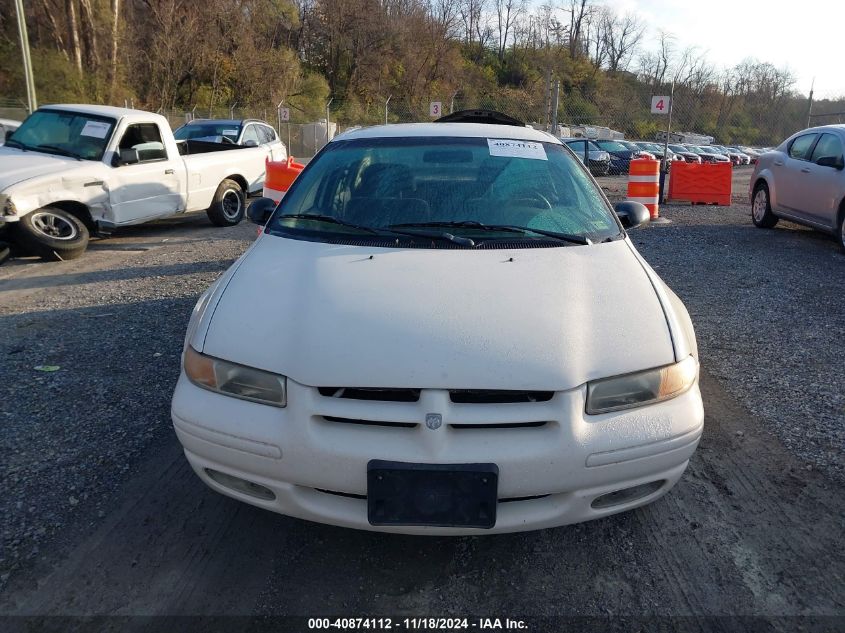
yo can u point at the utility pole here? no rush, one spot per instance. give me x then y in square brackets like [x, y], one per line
[810, 105]
[27, 60]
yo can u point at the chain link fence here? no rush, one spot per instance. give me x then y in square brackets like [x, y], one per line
[623, 112]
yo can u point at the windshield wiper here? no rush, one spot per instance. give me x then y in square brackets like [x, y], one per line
[465, 241]
[18, 143]
[472, 224]
[331, 220]
[60, 150]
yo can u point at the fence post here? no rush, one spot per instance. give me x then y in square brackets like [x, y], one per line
[232, 110]
[555, 99]
[452, 102]
[385, 109]
[328, 121]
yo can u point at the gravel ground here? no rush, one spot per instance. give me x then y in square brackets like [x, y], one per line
[95, 485]
[109, 321]
[769, 316]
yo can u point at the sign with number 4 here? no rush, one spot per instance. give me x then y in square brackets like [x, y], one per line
[435, 109]
[660, 105]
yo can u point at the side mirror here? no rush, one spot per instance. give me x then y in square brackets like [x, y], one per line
[631, 214]
[831, 161]
[250, 143]
[129, 156]
[260, 210]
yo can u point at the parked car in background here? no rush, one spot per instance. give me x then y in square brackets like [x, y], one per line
[245, 132]
[598, 159]
[733, 155]
[7, 126]
[620, 155]
[687, 154]
[803, 180]
[753, 154]
[381, 391]
[745, 158]
[657, 150]
[636, 148]
[72, 170]
[708, 154]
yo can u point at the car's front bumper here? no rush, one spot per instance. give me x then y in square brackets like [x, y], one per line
[313, 454]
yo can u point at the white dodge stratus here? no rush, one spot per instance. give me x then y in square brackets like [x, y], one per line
[442, 329]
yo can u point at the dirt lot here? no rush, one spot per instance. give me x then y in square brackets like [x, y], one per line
[101, 515]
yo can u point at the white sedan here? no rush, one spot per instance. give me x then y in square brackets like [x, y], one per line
[442, 329]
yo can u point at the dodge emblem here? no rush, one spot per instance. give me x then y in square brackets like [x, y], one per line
[433, 420]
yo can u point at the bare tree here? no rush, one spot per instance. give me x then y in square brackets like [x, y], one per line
[73, 33]
[622, 36]
[508, 13]
[579, 11]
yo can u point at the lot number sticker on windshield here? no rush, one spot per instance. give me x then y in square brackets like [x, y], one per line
[95, 129]
[516, 149]
[230, 132]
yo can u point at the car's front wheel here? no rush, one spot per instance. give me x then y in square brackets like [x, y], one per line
[842, 229]
[761, 208]
[52, 234]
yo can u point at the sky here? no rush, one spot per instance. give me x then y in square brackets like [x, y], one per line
[804, 36]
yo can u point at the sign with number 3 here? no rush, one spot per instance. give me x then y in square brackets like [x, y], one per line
[660, 105]
[435, 108]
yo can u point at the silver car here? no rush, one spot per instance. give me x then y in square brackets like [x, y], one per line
[802, 180]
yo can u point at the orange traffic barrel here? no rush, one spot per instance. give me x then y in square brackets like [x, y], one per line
[279, 175]
[644, 184]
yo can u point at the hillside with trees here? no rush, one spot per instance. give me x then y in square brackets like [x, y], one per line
[206, 56]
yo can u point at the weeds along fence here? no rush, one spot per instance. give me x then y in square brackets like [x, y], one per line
[624, 112]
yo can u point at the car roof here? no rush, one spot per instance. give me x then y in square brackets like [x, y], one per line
[464, 130]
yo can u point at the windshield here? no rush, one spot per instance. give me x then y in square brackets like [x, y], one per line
[213, 131]
[477, 183]
[678, 148]
[612, 146]
[64, 133]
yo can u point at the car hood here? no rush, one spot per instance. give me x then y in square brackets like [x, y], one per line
[336, 315]
[17, 165]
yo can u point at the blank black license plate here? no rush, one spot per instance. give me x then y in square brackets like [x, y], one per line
[442, 495]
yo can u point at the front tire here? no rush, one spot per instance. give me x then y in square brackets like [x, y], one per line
[228, 205]
[761, 208]
[52, 234]
[841, 233]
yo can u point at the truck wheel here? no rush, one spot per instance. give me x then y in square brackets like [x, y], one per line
[52, 234]
[227, 207]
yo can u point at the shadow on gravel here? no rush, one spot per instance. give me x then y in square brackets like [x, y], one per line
[116, 274]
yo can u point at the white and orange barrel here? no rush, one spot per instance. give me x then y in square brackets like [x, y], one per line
[279, 175]
[644, 184]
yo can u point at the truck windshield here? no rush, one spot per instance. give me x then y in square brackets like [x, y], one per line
[470, 185]
[212, 131]
[64, 133]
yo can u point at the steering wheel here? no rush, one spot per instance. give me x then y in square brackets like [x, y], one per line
[541, 198]
[226, 139]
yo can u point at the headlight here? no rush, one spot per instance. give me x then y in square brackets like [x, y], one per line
[235, 380]
[641, 388]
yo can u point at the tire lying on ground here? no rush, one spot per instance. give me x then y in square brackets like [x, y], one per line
[52, 234]
[228, 205]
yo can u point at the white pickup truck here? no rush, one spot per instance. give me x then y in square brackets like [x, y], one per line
[73, 170]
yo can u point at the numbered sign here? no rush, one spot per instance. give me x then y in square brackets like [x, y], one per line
[435, 109]
[660, 105]
[284, 114]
